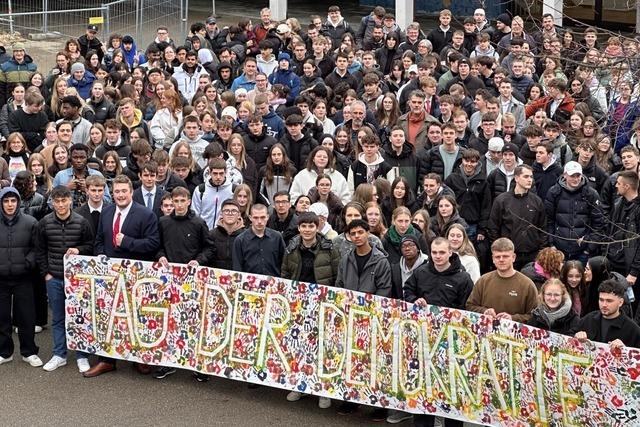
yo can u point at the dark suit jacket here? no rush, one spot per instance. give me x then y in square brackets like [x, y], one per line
[84, 212]
[140, 228]
[157, 200]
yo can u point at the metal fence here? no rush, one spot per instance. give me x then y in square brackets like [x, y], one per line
[63, 18]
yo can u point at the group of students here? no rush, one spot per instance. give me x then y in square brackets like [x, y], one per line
[374, 159]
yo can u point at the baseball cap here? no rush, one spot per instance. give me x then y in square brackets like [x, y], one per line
[572, 168]
[230, 111]
[464, 61]
[92, 28]
[413, 68]
[283, 29]
[495, 144]
[211, 20]
[17, 46]
[319, 209]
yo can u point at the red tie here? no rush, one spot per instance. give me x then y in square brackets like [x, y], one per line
[116, 229]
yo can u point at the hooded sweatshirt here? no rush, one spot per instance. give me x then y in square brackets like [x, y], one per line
[362, 171]
[17, 247]
[208, 203]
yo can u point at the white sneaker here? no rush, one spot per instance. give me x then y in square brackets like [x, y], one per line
[324, 402]
[37, 329]
[396, 417]
[294, 396]
[33, 360]
[55, 363]
[83, 365]
[5, 359]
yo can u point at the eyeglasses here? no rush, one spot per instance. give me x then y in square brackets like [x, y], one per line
[281, 202]
[230, 211]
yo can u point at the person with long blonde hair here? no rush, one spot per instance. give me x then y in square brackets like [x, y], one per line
[239, 159]
[167, 117]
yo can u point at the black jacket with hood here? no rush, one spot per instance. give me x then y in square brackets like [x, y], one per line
[573, 214]
[18, 243]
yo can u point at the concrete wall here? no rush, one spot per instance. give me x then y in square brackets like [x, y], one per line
[457, 7]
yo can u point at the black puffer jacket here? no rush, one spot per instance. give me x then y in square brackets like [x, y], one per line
[35, 206]
[55, 236]
[450, 288]
[497, 181]
[103, 109]
[223, 243]
[572, 214]
[17, 246]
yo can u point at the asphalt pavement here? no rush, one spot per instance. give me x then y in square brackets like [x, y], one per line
[32, 397]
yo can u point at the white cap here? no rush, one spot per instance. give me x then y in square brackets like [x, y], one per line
[230, 111]
[413, 68]
[319, 209]
[479, 11]
[495, 144]
[572, 168]
[283, 29]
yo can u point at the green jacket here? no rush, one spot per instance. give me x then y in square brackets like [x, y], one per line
[325, 266]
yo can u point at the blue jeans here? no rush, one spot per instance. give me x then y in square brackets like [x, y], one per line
[55, 292]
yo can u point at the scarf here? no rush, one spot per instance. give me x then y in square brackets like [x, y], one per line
[540, 271]
[551, 317]
[396, 238]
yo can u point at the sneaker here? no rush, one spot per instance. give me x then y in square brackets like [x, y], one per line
[5, 359]
[38, 329]
[201, 378]
[324, 403]
[294, 396]
[164, 372]
[55, 363]
[83, 365]
[33, 360]
[396, 417]
[379, 414]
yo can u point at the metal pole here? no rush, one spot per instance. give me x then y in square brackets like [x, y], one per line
[637, 16]
[138, 12]
[213, 7]
[105, 18]
[10, 18]
[45, 8]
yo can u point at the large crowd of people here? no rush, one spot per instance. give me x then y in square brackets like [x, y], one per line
[485, 168]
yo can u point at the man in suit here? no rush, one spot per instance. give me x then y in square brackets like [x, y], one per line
[126, 230]
[149, 194]
[95, 201]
